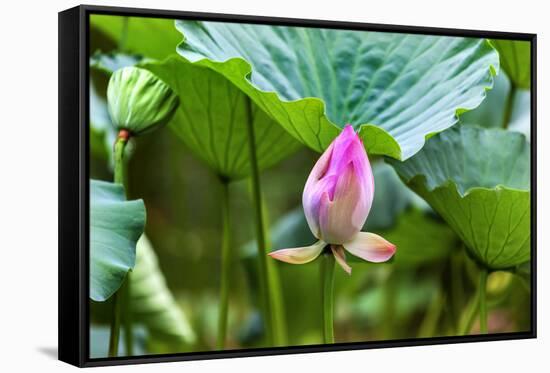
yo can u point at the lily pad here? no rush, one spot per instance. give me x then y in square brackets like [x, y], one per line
[478, 180]
[515, 59]
[396, 89]
[212, 120]
[115, 227]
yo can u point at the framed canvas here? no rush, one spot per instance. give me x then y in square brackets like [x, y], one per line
[236, 186]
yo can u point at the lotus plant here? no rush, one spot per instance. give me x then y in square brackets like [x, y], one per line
[139, 103]
[337, 199]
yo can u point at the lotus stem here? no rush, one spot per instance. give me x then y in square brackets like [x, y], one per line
[270, 294]
[226, 267]
[120, 146]
[470, 314]
[327, 279]
[483, 301]
[127, 315]
[115, 327]
[457, 288]
[509, 105]
[275, 291]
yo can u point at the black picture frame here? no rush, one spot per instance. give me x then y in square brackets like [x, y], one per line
[73, 251]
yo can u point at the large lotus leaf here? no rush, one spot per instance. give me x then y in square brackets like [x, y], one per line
[151, 37]
[397, 89]
[492, 111]
[115, 227]
[152, 303]
[478, 180]
[212, 119]
[515, 59]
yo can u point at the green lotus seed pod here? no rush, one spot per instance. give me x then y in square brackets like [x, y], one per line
[139, 101]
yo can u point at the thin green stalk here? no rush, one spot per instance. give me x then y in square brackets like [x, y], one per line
[470, 315]
[275, 290]
[226, 267]
[477, 306]
[127, 315]
[115, 326]
[267, 276]
[120, 145]
[508, 106]
[483, 301]
[457, 286]
[327, 279]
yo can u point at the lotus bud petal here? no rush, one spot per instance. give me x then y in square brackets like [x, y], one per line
[139, 101]
[340, 256]
[370, 247]
[299, 255]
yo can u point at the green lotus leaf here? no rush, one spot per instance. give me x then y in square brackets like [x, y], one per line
[478, 180]
[115, 227]
[212, 120]
[491, 112]
[139, 101]
[515, 59]
[152, 303]
[152, 37]
[395, 89]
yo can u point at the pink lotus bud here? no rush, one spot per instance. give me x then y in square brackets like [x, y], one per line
[339, 191]
[337, 199]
